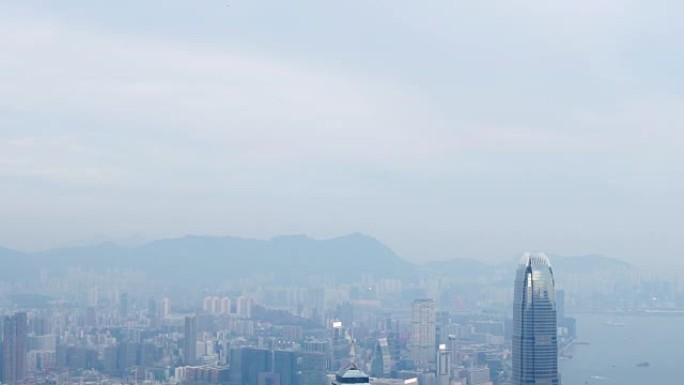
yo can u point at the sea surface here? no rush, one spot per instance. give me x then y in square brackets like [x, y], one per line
[617, 343]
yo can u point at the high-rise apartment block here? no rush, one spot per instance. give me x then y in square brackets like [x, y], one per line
[244, 307]
[423, 332]
[165, 307]
[216, 305]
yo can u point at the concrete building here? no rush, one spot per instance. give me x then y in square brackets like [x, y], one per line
[14, 349]
[443, 371]
[244, 307]
[166, 307]
[479, 376]
[423, 332]
[381, 364]
[190, 346]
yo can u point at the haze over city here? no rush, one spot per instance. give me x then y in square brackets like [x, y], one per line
[248, 192]
[446, 129]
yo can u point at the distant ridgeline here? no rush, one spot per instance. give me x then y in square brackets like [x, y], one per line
[287, 258]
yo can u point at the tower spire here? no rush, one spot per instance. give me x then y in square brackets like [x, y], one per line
[352, 348]
[352, 351]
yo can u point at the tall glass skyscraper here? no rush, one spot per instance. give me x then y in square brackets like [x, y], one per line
[535, 341]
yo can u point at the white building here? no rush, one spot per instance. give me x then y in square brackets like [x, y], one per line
[423, 332]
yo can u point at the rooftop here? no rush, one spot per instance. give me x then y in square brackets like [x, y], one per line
[351, 374]
[534, 258]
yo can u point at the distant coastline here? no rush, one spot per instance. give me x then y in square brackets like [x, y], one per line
[628, 312]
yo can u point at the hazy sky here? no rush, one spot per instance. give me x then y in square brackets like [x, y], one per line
[444, 128]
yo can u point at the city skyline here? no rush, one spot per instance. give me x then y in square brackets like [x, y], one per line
[125, 327]
[260, 192]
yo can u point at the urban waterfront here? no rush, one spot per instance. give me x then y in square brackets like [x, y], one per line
[617, 343]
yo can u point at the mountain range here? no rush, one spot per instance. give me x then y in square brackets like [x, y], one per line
[290, 258]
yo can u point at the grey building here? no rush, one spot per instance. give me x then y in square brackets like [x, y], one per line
[381, 364]
[251, 366]
[190, 346]
[535, 338]
[14, 349]
[423, 342]
[312, 367]
[351, 375]
[443, 371]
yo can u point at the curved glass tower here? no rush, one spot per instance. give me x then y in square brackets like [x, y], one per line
[535, 341]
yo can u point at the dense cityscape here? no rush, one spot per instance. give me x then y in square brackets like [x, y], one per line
[349, 192]
[122, 327]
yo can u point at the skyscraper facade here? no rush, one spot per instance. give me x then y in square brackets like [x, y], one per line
[123, 306]
[313, 368]
[244, 307]
[423, 332]
[443, 371]
[250, 366]
[535, 341]
[166, 307]
[190, 348]
[381, 364]
[14, 349]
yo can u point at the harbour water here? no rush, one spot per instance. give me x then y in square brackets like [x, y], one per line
[618, 343]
